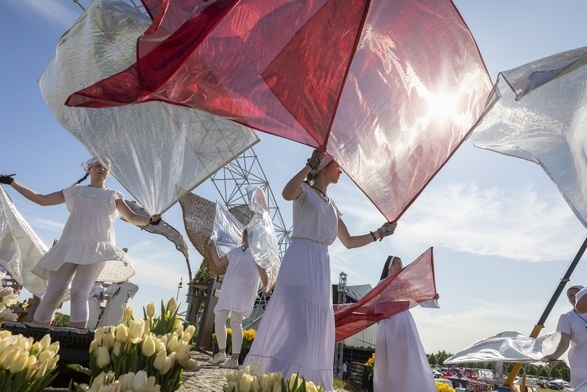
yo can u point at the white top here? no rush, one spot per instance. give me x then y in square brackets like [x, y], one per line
[315, 217]
[239, 288]
[88, 236]
[575, 324]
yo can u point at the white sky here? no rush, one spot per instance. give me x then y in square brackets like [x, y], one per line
[502, 234]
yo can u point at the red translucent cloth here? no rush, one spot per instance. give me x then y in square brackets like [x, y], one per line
[389, 88]
[410, 287]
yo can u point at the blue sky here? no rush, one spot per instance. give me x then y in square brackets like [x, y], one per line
[502, 234]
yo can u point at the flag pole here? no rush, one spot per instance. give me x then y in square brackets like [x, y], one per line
[538, 327]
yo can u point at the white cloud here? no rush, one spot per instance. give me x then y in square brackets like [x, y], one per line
[55, 12]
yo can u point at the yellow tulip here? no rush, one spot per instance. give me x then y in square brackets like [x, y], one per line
[265, 383]
[310, 387]
[183, 356]
[149, 346]
[188, 333]
[128, 314]
[169, 362]
[255, 385]
[172, 305]
[160, 360]
[277, 387]
[117, 349]
[172, 344]
[10, 299]
[102, 357]
[19, 362]
[151, 309]
[121, 333]
[232, 386]
[41, 370]
[135, 333]
[244, 384]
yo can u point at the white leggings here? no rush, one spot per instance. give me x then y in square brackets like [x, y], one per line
[83, 277]
[236, 323]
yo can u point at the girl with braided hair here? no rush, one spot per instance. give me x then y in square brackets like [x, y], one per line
[86, 251]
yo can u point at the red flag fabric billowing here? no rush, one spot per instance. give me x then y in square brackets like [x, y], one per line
[410, 287]
[389, 88]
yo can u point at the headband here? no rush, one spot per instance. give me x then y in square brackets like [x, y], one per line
[88, 164]
[576, 286]
[390, 263]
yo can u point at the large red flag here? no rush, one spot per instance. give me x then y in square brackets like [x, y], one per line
[388, 87]
[410, 287]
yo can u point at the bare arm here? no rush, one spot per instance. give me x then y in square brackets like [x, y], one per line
[218, 261]
[50, 199]
[292, 189]
[357, 241]
[131, 217]
[561, 348]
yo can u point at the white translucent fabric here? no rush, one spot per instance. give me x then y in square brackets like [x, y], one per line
[508, 346]
[538, 112]
[20, 247]
[158, 152]
[227, 233]
[262, 239]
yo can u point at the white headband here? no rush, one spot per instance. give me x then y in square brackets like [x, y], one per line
[88, 164]
[576, 286]
[390, 262]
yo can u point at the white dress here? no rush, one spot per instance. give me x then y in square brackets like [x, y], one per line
[575, 324]
[239, 288]
[401, 364]
[296, 334]
[95, 305]
[88, 236]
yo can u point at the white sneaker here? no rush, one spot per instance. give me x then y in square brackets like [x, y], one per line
[230, 364]
[217, 359]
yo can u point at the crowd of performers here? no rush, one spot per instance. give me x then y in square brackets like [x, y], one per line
[297, 331]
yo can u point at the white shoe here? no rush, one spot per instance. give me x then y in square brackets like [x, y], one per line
[230, 364]
[217, 359]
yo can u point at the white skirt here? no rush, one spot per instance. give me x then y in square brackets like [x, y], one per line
[296, 334]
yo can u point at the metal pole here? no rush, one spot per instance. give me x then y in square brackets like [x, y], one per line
[338, 355]
[538, 327]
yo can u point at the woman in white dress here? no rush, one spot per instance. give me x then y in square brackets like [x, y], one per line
[400, 360]
[296, 334]
[573, 329]
[236, 300]
[86, 251]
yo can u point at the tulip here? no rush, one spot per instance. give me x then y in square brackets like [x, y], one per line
[244, 384]
[102, 357]
[53, 347]
[140, 382]
[6, 291]
[255, 385]
[277, 387]
[172, 344]
[93, 346]
[265, 383]
[152, 385]
[19, 362]
[183, 356]
[8, 357]
[232, 386]
[7, 315]
[294, 381]
[310, 387]
[169, 362]
[117, 349]
[151, 309]
[136, 331]
[160, 359]
[172, 305]
[188, 333]
[127, 316]
[45, 341]
[41, 370]
[149, 346]
[121, 333]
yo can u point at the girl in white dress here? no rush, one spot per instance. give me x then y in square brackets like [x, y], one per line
[573, 329]
[296, 334]
[86, 251]
[400, 360]
[236, 300]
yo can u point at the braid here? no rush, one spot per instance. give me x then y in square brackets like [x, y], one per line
[81, 179]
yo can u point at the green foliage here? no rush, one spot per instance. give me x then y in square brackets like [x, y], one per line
[61, 320]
